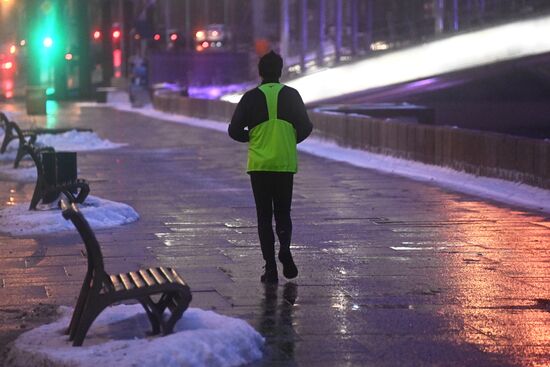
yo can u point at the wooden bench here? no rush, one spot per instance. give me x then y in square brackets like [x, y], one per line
[29, 135]
[157, 289]
[9, 134]
[50, 182]
[26, 140]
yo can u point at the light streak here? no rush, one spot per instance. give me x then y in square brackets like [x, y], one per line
[501, 43]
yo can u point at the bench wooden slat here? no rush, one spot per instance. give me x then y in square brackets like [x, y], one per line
[167, 274]
[137, 279]
[158, 276]
[148, 279]
[127, 282]
[176, 276]
[117, 283]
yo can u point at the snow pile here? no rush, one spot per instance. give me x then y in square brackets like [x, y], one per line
[18, 220]
[72, 140]
[149, 111]
[77, 141]
[116, 338]
[492, 188]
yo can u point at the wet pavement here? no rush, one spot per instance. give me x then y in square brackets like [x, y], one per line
[393, 272]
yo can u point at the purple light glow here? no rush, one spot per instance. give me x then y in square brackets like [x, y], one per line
[422, 83]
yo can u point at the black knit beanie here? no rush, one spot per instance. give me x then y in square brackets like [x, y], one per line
[270, 66]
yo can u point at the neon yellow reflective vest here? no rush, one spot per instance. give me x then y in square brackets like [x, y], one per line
[272, 143]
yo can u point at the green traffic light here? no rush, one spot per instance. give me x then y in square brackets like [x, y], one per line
[47, 42]
[47, 35]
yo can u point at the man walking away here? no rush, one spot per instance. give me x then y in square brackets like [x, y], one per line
[272, 118]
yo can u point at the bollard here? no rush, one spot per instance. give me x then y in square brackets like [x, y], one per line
[102, 94]
[35, 100]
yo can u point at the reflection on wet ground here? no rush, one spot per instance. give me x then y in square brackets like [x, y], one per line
[392, 272]
[275, 322]
[501, 283]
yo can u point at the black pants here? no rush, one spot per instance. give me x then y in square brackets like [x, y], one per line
[273, 196]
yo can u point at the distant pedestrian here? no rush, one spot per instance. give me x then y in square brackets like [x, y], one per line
[272, 118]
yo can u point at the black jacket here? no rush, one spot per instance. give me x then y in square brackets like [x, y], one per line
[252, 110]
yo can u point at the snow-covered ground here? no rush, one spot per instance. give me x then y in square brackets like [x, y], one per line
[72, 140]
[499, 190]
[117, 338]
[18, 220]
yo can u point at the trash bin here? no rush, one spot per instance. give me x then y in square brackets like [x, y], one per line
[139, 96]
[66, 167]
[50, 175]
[36, 100]
[102, 94]
[59, 168]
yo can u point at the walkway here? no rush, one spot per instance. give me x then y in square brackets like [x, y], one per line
[393, 272]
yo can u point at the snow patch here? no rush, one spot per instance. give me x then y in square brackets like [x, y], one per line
[149, 111]
[18, 220]
[117, 338]
[72, 140]
[491, 188]
[77, 141]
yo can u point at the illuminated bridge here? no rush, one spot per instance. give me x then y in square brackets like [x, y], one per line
[491, 79]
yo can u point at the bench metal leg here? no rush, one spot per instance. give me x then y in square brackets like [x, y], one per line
[89, 314]
[163, 302]
[82, 194]
[69, 195]
[36, 196]
[153, 314]
[176, 313]
[20, 155]
[83, 191]
[82, 298]
[7, 139]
